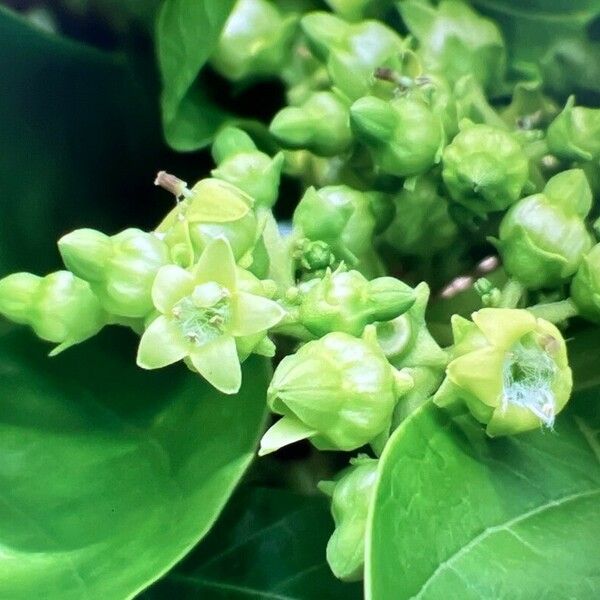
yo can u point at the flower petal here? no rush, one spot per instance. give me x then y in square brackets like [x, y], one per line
[171, 284]
[503, 327]
[217, 263]
[219, 364]
[286, 431]
[254, 314]
[480, 374]
[161, 344]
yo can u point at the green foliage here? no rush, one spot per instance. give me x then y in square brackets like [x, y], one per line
[412, 140]
[111, 474]
[190, 119]
[276, 540]
[454, 513]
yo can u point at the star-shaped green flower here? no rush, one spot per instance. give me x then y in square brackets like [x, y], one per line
[202, 314]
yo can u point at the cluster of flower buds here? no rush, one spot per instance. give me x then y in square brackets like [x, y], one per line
[406, 161]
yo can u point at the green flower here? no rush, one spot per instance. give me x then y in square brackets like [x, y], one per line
[59, 307]
[543, 237]
[422, 225]
[351, 495]
[455, 41]
[202, 314]
[255, 42]
[120, 268]
[509, 369]
[585, 287]
[352, 52]
[240, 163]
[575, 133]
[210, 210]
[346, 301]
[338, 391]
[485, 168]
[405, 137]
[320, 125]
[347, 220]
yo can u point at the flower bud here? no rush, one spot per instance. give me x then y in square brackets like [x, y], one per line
[352, 51]
[485, 168]
[347, 302]
[344, 218]
[575, 133]
[404, 136]
[211, 209]
[529, 108]
[350, 10]
[585, 287]
[240, 163]
[406, 341]
[455, 41]
[351, 495]
[338, 391]
[120, 269]
[422, 225]
[544, 237]
[313, 256]
[509, 369]
[320, 125]
[59, 307]
[255, 41]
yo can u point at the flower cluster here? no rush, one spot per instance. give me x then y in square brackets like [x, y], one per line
[414, 155]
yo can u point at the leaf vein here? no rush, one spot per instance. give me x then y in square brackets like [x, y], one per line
[449, 562]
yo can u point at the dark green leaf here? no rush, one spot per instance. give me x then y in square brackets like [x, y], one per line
[109, 475]
[267, 544]
[186, 34]
[78, 133]
[456, 515]
[582, 10]
[555, 36]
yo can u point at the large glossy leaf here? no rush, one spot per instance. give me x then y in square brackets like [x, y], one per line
[80, 138]
[269, 544]
[186, 34]
[456, 515]
[108, 474]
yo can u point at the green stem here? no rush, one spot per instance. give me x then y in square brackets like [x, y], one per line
[555, 312]
[511, 294]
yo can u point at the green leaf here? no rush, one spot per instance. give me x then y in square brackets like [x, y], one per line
[78, 133]
[582, 10]
[554, 36]
[187, 32]
[268, 544]
[456, 515]
[110, 475]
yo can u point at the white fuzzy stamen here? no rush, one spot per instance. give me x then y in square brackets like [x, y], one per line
[528, 376]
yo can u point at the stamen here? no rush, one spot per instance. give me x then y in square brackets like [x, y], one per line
[202, 324]
[528, 375]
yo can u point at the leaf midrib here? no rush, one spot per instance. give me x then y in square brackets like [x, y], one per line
[506, 526]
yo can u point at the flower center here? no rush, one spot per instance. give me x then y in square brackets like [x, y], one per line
[528, 375]
[204, 314]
